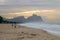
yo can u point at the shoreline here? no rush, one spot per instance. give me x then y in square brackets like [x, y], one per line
[45, 30]
[50, 31]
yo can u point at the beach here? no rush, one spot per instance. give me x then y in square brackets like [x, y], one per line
[7, 32]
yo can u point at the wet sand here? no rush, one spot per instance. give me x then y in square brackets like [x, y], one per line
[7, 32]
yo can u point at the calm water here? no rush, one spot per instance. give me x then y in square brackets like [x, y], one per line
[52, 28]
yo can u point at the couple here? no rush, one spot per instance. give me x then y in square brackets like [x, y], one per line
[13, 25]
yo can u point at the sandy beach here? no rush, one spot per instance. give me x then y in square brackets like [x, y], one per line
[7, 32]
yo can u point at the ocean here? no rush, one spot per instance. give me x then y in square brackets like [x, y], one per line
[52, 28]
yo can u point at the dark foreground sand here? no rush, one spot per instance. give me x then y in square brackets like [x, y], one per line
[24, 33]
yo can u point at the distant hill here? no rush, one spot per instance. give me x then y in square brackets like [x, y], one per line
[21, 19]
[34, 18]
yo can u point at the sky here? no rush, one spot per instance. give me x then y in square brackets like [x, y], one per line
[48, 9]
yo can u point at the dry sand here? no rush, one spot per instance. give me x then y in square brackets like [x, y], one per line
[24, 33]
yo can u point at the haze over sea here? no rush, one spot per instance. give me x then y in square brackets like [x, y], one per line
[52, 28]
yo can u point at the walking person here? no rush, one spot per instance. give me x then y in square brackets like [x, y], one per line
[12, 25]
[15, 25]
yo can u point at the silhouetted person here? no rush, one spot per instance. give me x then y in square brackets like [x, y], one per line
[12, 25]
[15, 25]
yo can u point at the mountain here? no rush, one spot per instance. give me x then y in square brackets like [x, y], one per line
[21, 19]
[34, 18]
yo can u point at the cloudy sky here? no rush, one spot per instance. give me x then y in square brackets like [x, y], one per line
[48, 9]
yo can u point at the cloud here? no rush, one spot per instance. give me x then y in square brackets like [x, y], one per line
[20, 5]
[38, 3]
[2, 2]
